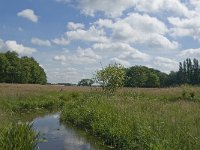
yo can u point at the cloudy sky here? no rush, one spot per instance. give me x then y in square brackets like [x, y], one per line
[71, 39]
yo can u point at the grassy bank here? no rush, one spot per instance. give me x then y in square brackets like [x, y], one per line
[19, 137]
[132, 119]
[17, 100]
[139, 119]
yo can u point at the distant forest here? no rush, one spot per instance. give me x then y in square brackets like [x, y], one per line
[14, 69]
[20, 70]
[141, 76]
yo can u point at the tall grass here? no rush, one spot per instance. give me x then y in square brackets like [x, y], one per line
[18, 137]
[136, 122]
[132, 119]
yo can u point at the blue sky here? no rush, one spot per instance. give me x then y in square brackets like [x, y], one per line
[72, 38]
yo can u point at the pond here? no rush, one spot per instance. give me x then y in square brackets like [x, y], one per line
[57, 136]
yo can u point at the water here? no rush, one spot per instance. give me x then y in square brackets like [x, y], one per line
[57, 136]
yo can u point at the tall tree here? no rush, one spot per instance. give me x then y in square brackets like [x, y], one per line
[20, 70]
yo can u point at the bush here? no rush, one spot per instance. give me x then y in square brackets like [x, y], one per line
[111, 78]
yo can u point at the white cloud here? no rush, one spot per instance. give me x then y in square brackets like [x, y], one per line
[190, 53]
[111, 8]
[159, 41]
[75, 26]
[176, 7]
[125, 50]
[19, 48]
[14, 46]
[143, 30]
[40, 42]
[115, 8]
[120, 61]
[80, 56]
[61, 41]
[61, 58]
[3, 47]
[195, 4]
[90, 35]
[185, 27]
[165, 64]
[88, 54]
[28, 14]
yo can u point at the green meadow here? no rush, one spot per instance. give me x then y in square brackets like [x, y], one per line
[132, 118]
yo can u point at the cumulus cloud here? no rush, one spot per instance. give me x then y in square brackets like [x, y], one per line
[19, 48]
[155, 6]
[75, 26]
[143, 30]
[115, 8]
[90, 35]
[61, 58]
[185, 27]
[40, 42]
[87, 55]
[28, 14]
[14, 46]
[3, 47]
[165, 64]
[190, 53]
[111, 8]
[125, 50]
[120, 61]
[61, 41]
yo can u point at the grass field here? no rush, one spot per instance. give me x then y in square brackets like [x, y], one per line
[167, 118]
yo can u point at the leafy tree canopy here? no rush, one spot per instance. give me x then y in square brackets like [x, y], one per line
[20, 70]
[111, 77]
[85, 82]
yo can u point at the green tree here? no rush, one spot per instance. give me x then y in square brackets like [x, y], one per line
[153, 80]
[85, 82]
[20, 70]
[111, 77]
[141, 76]
[13, 70]
[189, 72]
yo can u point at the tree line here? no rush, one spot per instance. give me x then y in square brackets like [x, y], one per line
[142, 76]
[14, 69]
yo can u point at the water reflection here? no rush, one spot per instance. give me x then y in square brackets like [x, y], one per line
[58, 136]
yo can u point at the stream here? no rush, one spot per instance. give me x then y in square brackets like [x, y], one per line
[57, 136]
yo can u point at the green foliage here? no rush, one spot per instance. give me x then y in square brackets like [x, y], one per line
[129, 121]
[34, 103]
[189, 72]
[187, 92]
[85, 82]
[111, 77]
[18, 137]
[20, 70]
[140, 76]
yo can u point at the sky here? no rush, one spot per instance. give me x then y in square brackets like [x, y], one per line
[72, 39]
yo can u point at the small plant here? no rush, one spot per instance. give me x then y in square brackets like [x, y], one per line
[187, 92]
[111, 77]
[18, 137]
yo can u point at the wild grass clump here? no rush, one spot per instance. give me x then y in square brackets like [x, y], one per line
[18, 137]
[136, 123]
[31, 103]
[188, 93]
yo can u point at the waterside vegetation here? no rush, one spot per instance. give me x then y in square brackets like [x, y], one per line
[136, 118]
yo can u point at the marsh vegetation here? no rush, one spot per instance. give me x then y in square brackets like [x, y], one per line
[167, 118]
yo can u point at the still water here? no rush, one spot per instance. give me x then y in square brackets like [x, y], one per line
[56, 136]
